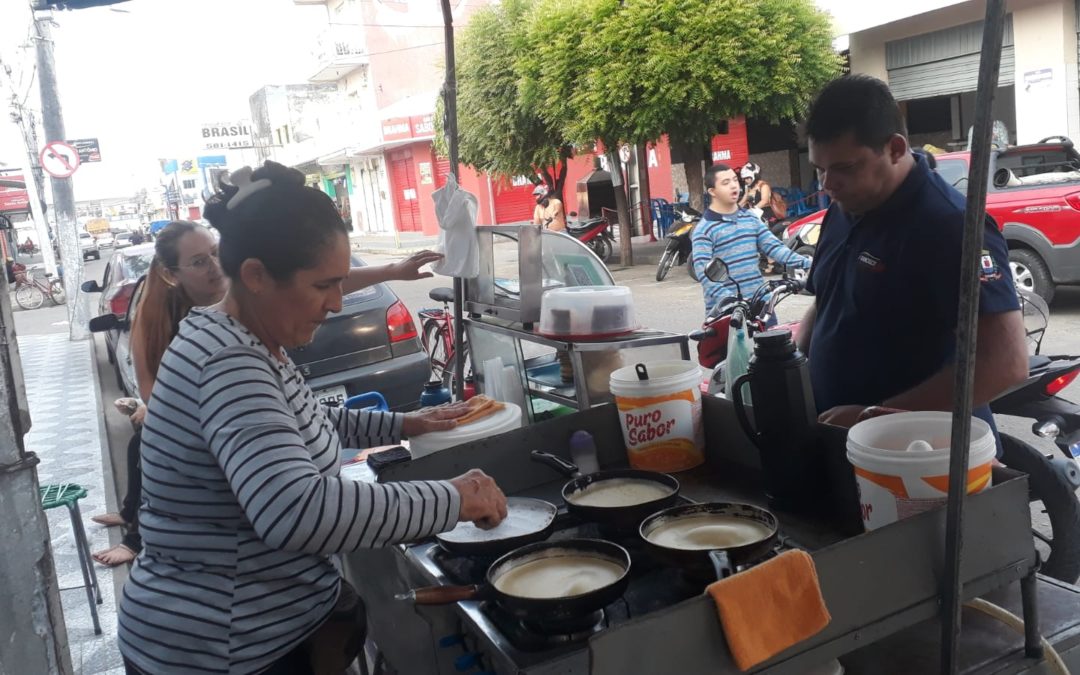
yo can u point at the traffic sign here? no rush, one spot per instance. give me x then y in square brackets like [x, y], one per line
[59, 159]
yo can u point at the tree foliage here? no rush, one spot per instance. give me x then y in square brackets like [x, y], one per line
[496, 134]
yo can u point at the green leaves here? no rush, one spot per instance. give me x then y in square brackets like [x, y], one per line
[535, 76]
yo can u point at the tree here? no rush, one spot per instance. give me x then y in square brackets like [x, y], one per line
[496, 133]
[633, 71]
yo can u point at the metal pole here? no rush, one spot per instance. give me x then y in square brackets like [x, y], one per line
[967, 330]
[31, 617]
[67, 231]
[450, 104]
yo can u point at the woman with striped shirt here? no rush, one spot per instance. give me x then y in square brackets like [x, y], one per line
[242, 502]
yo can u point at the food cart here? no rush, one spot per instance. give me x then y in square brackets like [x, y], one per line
[882, 588]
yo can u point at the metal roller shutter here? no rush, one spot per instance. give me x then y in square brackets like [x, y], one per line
[513, 203]
[951, 76]
[403, 184]
[944, 62]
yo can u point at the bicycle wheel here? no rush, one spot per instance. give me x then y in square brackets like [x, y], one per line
[56, 292]
[29, 297]
[437, 341]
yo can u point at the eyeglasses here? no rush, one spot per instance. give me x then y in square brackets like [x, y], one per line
[202, 263]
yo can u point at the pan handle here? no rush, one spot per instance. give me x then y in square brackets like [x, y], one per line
[441, 595]
[721, 563]
[563, 466]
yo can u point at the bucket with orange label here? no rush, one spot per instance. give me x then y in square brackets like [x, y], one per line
[901, 463]
[659, 406]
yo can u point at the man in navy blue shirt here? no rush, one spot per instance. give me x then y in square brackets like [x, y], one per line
[886, 274]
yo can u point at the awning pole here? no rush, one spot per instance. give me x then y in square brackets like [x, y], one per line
[967, 330]
[451, 132]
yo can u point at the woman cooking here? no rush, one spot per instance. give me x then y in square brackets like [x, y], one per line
[242, 499]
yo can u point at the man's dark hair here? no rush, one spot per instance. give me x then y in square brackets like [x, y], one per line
[858, 104]
[713, 172]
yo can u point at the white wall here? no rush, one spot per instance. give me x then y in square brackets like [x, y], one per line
[1044, 37]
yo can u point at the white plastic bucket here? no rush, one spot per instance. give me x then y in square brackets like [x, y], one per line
[507, 419]
[661, 416]
[897, 483]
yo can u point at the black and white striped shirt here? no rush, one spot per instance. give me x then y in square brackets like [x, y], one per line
[242, 502]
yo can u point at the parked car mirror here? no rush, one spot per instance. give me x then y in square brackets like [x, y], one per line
[91, 287]
[106, 322]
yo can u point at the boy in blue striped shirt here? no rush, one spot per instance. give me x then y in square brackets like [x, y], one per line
[736, 236]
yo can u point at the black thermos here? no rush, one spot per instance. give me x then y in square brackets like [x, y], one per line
[784, 414]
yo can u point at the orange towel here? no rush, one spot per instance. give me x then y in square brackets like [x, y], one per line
[770, 607]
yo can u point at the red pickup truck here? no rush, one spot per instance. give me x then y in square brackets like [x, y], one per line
[1033, 193]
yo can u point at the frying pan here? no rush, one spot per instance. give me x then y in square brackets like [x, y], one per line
[527, 521]
[718, 563]
[623, 518]
[552, 610]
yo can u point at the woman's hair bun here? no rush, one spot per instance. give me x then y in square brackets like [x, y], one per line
[216, 210]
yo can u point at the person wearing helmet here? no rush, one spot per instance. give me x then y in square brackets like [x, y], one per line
[757, 194]
[549, 210]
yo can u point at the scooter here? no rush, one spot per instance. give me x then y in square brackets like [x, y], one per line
[1053, 480]
[804, 240]
[679, 245]
[594, 233]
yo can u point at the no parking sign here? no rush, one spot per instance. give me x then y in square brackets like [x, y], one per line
[59, 159]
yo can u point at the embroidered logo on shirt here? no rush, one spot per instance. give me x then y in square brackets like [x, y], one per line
[988, 270]
[871, 262]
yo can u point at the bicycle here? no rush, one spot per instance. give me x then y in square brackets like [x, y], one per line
[30, 292]
[437, 337]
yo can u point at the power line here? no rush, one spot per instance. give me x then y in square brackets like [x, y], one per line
[402, 49]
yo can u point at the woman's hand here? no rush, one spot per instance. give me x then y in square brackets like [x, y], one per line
[439, 418]
[409, 268]
[482, 502]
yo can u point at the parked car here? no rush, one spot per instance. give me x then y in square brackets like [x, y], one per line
[372, 344]
[1033, 194]
[106, 240]
[123, 240]
[88, 245]
[117, 286]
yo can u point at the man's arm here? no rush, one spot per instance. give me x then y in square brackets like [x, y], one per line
[806, 329]
[1001, 362]
[403, 270]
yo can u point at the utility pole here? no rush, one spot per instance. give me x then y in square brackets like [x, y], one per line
[67, 232]
[33, 187]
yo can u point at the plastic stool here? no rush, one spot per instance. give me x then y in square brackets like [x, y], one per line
[69, 494]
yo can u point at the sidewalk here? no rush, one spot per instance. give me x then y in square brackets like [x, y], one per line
[67, 435]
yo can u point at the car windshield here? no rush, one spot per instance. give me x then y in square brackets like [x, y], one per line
[137, 265]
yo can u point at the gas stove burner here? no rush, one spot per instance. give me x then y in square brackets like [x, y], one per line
[537, 635]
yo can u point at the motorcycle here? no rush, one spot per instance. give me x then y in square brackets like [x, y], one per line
[1052, 480]
[594, 233]
[804, 240]
[757, 313]
[679, 246]
[28, 249]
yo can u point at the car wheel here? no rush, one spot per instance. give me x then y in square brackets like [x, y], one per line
[1029, 273]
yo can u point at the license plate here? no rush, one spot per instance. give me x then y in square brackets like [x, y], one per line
[331, 395]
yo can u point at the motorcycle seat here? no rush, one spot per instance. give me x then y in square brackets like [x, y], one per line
[583, 225]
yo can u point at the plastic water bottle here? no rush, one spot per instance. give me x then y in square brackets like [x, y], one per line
[434, 394]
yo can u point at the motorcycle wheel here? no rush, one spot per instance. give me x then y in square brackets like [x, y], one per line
[690, 269]
[667, 261]
[805, 251]
[602, 248]
[1059, 502]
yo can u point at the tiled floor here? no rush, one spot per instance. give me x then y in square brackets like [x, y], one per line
[66, 434]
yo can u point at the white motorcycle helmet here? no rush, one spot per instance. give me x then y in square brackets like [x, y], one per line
[751, 171]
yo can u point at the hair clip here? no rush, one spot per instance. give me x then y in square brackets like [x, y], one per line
[241, 178]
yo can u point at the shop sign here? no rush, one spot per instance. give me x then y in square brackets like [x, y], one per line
[230, 135]
[396, 129]
[426, 177]
[423, 125]
[88, 149]
[13, 198]
[721, 155]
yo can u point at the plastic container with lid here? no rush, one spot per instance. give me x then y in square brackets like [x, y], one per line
[587, 312]
[507, 419]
